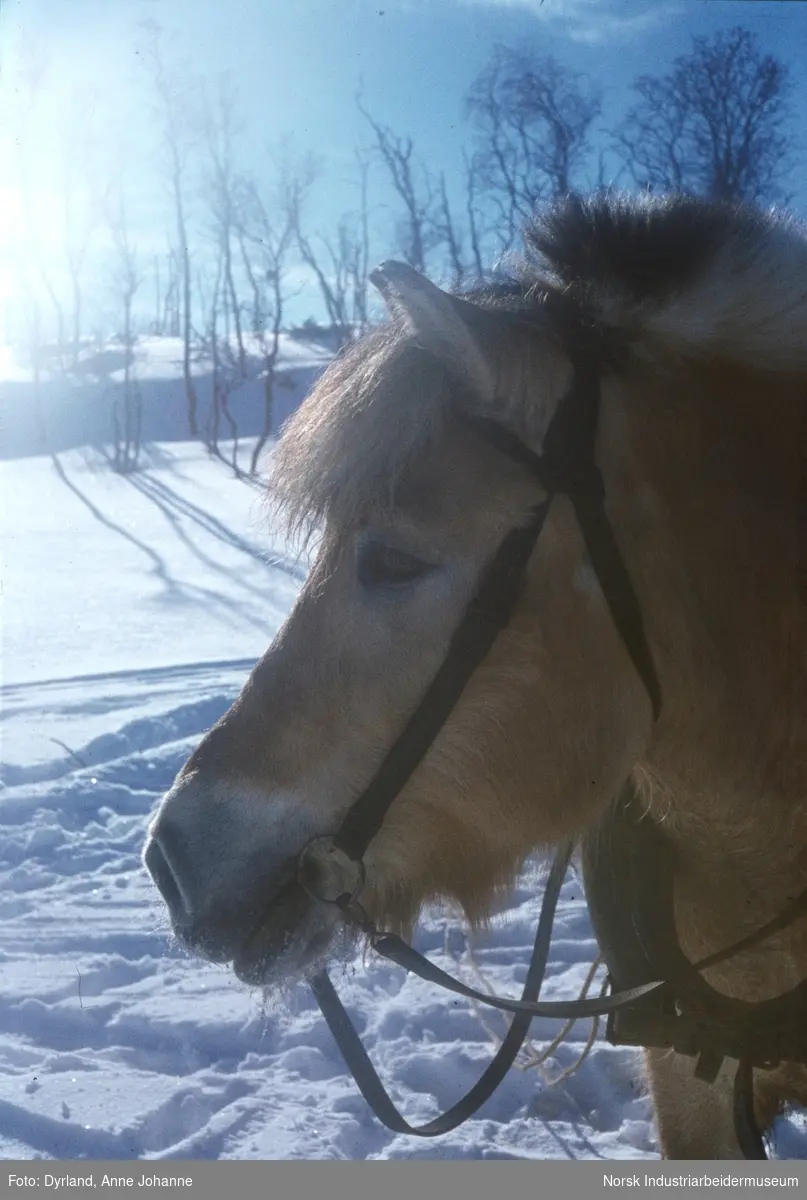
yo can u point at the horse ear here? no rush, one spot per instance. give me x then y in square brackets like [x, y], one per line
[445, 325]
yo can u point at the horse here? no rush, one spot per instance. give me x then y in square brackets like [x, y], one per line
[689, 320]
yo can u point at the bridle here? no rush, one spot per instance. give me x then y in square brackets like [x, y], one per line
[331, 869]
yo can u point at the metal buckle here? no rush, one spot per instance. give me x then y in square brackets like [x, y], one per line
[330, 875]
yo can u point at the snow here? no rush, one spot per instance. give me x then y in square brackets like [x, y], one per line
[190, 571]
[73, 408]
[133, 609]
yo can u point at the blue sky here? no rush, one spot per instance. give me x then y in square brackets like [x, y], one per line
[297, 65]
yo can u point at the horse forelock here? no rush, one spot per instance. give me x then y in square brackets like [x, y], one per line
[378, 413]
[377, 409]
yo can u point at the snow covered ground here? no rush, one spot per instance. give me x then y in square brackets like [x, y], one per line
[133, 609]
[66, 408]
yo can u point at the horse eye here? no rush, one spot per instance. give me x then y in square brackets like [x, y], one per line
[384, 566]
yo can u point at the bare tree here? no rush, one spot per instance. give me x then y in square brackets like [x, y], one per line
[339, 260]
[33, 266]
[170, 316]
[220, 128]
[58, 309]
[76, 244]
[359, 246]
[336, 262]
[83, 199]
[472, 213]
[73, 224]
[715, 125]
[177, 125]
[531, 118]
[31, 309]
[265, 232]
[450, 235]
[418, 231]
[225, 367]
[126, 278]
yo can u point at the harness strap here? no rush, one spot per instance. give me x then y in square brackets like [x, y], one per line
[610, 569]
[487, 614]
[579, 478]
[745, 1122]
[390, 946]
[627, 868]
[629, 871]
[565, 466]
[364, 1073]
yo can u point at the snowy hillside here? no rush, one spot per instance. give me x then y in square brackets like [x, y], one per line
[133, 608]
[65, 408]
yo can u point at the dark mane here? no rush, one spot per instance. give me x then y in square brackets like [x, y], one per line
[710, 278]
[647, 249]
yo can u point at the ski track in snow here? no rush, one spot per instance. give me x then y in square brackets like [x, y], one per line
[115, 1045]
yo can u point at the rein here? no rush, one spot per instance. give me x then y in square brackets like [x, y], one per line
[331, 869]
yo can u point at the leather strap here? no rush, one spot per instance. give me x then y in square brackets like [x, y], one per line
[390, 946]
[365, 1074]
[567, 466]
[393, 948]
[745, 1122]
[487, 614]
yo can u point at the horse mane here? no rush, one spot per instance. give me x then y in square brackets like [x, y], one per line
[678, 274]
[670, 278]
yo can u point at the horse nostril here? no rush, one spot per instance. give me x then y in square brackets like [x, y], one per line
[162, 874]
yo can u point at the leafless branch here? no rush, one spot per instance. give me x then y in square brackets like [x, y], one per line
[715, 125]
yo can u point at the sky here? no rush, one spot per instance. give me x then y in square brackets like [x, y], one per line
[77, 103]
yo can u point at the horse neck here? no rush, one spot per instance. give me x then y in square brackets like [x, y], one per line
[707, 484]
[707, 472]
